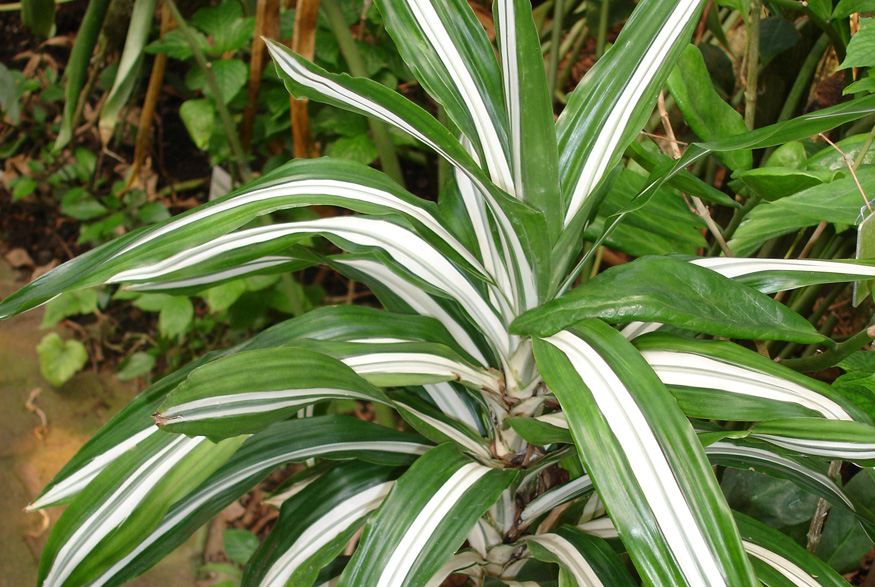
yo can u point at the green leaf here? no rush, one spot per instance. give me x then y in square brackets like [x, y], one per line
[175, 316]
[240, 544]
[9, 97]
[24, 187]
[79, 204]
[175, 45]
[861, 49]
[846, 8]
[221, 297]
[230, 74]
[358, 148]
[226, 25]
[704, 110]
[792, 155]
[136, 365]
[774, 183]
[844, 542]
[227, 397]
[59, 360]
[838, 202]
[68, 304]
[590, 560]
[777, 34]
[129, 66]
[647, 464]
[317, 523]
[425, 518]
[198, 116]
[665, 290]
[38, 16]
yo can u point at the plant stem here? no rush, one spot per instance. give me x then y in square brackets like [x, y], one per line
[385, 149]
[753, 62]
[737, 216]
[829, 358]
[864, 149]
[816, 528]
[601, 39]
[555, 41]
[225, 116]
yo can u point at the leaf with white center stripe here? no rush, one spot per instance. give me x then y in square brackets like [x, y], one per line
[299, 183]
[555, 497]
[124, 502]
[782, 554]
[447, 50]
[669, 291]
[424, 520]
[317, 523]
[529, 110]
[540, 431]
[398, 294]
[750, 386]
[332, 437]
[772, 275]
[455, 403]
[831, 439]
[644, 459]
[809, 474]
[615, 98]
[590, 560]
[435, 426]
[403, 363]
[248, 391]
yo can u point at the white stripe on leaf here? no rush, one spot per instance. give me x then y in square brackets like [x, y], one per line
[254, 402]
[849, 451]
[323, 531]
[449, 401]
[693, 370]
[438, 37]
[571, 558]
[787, 568]
[79, 479]
[547, 501]
[215, 490]
[735, 267]
[646, 460]
[422, 363]
[208, 278]
[510, 74]
[116, 508]
[609, 135]
[428, 520]
[455, 435]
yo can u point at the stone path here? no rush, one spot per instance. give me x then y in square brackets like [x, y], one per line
[27, 462]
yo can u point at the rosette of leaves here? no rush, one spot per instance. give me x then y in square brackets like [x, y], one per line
[509, 380]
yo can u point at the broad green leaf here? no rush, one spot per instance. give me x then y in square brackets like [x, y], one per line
[239, 544]
[704, 110]
[226, 25]
[763, 223]
[333, 437]
[844, 543]
[227, 397]
[774, 183]
[68, 304]
[589, 560]
[198, 116]
[129, 66]
[846, 8]
[644, 458]
[136, 365]
[615, 98]
[424, 519]
[59, 360]
[831, 159]
[124, 503]
[838, 201]
[175, 316]
[230, 75]
[358, 148]
[792, 155]
[174, 44]
[447, 50]
[529, 110]
[221, 297]
[9, 97]
[665, 290]
[317, 523]
[861, 49]
[80, 205]
[785, 556]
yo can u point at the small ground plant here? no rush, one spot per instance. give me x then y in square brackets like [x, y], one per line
[564, 428]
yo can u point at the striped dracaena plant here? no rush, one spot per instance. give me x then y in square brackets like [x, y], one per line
[504, 374]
